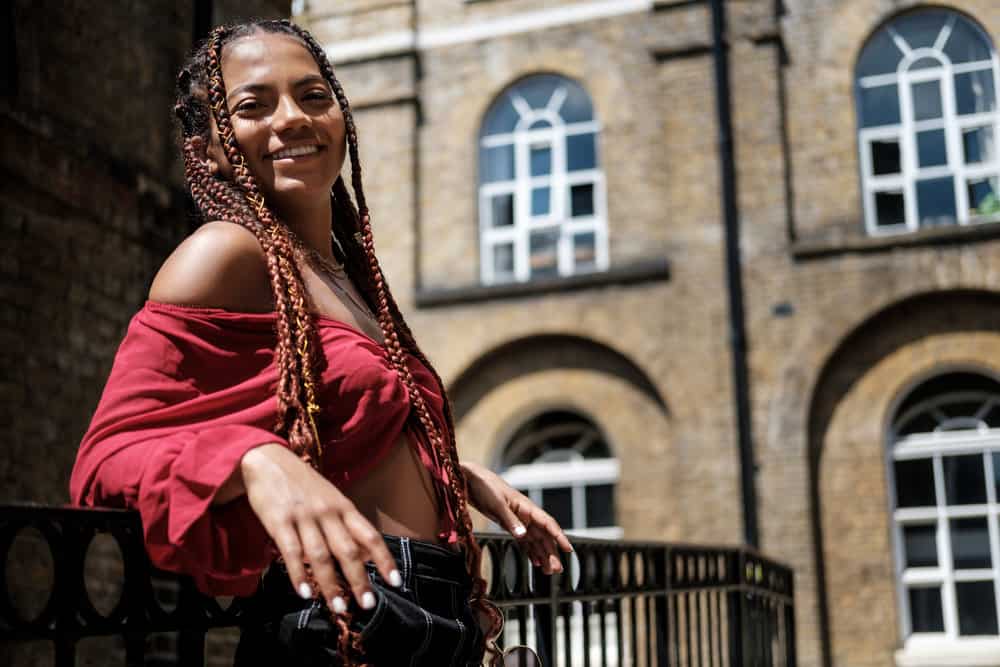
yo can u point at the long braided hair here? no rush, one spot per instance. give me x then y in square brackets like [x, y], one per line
[201, 96]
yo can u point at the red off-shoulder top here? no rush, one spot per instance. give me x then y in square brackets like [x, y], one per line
[192, 390]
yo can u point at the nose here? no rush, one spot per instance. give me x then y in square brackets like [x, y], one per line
[288, 115]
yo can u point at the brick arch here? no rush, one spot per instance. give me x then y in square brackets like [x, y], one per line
[853, 398]
[535, 354]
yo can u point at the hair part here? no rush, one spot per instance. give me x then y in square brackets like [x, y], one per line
[200, 98]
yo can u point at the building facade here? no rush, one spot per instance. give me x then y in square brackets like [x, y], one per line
[544, 180]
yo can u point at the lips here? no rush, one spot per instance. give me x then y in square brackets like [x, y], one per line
[295, 151]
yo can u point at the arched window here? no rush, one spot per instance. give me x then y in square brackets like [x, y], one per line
[945, 479]
[926, 95]
[542, 210]
[561, 461]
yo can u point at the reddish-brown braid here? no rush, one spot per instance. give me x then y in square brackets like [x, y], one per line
[201, 88]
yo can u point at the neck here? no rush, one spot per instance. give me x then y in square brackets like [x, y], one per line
[311, 222]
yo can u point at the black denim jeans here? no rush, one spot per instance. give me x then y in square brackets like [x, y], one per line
[427, 621]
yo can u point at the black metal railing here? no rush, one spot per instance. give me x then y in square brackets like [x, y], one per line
[68, 575]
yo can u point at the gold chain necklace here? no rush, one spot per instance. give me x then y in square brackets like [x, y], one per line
[335, 272]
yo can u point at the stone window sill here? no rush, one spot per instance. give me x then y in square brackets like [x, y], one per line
[981, 231]
[965, 653]
[650, 270]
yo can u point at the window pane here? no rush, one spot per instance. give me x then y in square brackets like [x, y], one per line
[925, 63]
[920, 545]
[503, 260]
[936, 202]
[925, 610]
[559, 503]
[984, 196]
[920, 29]
[974, 92]
[541, 160]
[926, 100]
[540, 201]
[539, 124]
[497, 164]
[600, 505]
[915, 483]
[581, 152]
[996, 473]
[966, 44]
[502, 210]
[970, 543]
[581, 200]
[964, 479]
[576, 107]
[585, 251]
[977, 607]
[502, 118]
[544, 253]
[880, 56]
[879, 105]
[977, 145]
[931, 148]
[889, 209]
[885, 156]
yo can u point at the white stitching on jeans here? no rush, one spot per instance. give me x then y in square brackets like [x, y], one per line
[404, 548]
[461, 642]
[427, 638]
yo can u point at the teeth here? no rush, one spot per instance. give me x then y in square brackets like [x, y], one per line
[295, 152]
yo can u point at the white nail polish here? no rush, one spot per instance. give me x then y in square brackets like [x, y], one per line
[339, 605]
[395, 578]
[305, 591]
[368, 600]
[519, 531]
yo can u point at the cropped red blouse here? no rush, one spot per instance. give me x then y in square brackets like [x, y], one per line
[192, 390]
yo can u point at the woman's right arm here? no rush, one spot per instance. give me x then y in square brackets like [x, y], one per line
[211, 495]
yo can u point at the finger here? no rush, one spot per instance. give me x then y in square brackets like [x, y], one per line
[547, 548]
[507, 518]
[373, 544]
[290, 547]
[350, 557]
[321, 561]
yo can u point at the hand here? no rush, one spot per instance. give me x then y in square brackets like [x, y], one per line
[310, 520]
[536, 531]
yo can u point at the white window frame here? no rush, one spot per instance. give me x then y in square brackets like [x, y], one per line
[948, 647]
[576, 474]
[906, 132]
[559, 181]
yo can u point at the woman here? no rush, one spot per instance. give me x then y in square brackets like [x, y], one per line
[269, 403]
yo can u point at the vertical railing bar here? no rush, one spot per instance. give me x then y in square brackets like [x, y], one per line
[585, 618]
[620, 637]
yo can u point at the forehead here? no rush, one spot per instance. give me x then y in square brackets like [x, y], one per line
[265, 58]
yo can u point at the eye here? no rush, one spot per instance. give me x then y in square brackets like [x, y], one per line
[248, 106]
[318, 95]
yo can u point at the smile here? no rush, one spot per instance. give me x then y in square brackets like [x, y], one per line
[298, 151]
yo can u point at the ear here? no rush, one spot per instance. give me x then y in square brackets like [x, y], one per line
[201, 149]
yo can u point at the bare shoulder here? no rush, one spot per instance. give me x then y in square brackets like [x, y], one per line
[221, 265]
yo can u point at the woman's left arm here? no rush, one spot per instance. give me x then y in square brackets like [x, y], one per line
[535, 530]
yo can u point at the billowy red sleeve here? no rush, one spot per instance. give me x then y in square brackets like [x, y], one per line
[190, 392]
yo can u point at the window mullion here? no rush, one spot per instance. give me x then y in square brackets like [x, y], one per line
[993, 526]
[522, 207]
[953, 146]
[948, 606]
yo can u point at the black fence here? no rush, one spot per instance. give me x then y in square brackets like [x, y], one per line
[67, 575]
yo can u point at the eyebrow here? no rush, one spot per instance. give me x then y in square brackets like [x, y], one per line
[257, 87]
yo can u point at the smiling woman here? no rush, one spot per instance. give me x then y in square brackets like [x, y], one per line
[269, 413]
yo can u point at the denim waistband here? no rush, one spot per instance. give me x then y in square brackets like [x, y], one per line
[426, 558]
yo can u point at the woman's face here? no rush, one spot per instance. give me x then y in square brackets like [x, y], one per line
[285, 118]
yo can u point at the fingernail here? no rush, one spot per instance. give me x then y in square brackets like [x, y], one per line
[305, 591]
[519, 531]
[368, 600]
[338, 604]
[395, 578]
